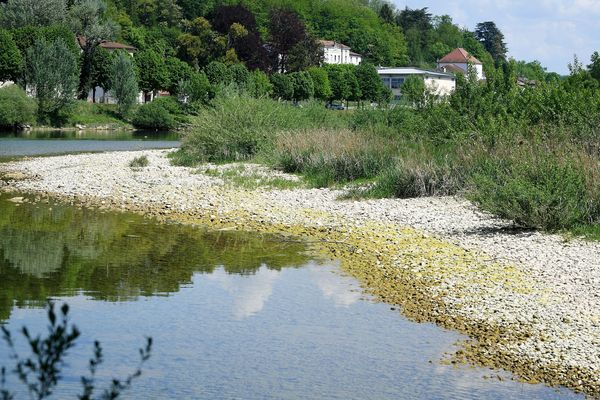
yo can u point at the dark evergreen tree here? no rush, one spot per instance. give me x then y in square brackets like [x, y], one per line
[493, 40]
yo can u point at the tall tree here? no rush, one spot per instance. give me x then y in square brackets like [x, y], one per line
[594, 67]
[321, 82]
[386, 13]
[369, 82]
[123, 82]
[286, 30]
[303, 85]
[199, 43]
[153, 74]
[101, 70]
[89, 21]
[225, 16]
[52, 75]
[11, 60]
[493, 40]
[20, 13]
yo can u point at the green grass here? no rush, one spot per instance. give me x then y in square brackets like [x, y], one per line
[90, 115]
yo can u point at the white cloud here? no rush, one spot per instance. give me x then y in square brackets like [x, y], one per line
[550, 31]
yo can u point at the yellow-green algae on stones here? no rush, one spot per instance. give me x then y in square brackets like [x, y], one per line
[400, 266]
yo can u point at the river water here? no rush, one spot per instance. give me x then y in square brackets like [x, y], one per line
[35, 143]
[232, 315]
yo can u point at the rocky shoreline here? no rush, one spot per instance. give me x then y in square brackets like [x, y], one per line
[529, 301]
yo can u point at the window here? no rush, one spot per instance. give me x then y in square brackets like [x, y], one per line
[397, 82]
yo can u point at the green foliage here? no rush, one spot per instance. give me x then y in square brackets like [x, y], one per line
[123, 82]
[16, 108]
[302, 85]
[40, 372]
[152, 73]
[239, 75]
[52, 73]
[157, 115]
[178, 71]
[240, 127]
[492, 39]
[537, 186]
[413, 91]
[95, 114]
[327, 157]
[11, 60]
[283, 86]
[196, 89]
[321, 83]
[21, 13]
[259, 85]
[369, 82]
[102, 62]
[139, 162]
[594, 67]
[218, 73]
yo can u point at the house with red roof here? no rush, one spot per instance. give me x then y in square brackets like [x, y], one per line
[458, 61]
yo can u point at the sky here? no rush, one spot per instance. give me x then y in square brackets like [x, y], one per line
[550, 31]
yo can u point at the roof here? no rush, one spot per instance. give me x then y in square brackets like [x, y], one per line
[333, 43]
[459, 56]
[355, 54]
[108, 45]
[413, 71]
[451, 68]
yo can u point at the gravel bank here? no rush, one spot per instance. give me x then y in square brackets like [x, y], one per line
[530, 301]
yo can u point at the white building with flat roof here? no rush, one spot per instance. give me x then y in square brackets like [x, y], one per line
[338, 53]
[439, 83]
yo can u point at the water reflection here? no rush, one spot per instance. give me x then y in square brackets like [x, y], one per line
[50, 250]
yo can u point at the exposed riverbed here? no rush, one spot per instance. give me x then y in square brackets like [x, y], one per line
[530, 301]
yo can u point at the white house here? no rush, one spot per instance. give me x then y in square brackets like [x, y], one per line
[338, 53]
[439, 83]
[458, 61]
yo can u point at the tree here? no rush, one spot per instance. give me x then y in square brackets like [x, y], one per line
[594, 67]
[321, 83]
[123, 82]
[225, 16]
[340, 87]
[194, 89]
[40, 372]
[286, 30]
[51, 74]
[283, 87]
[218, 73]
[88, 20]
[11, 60]
[199, 43]
[369, 82]
[259, 85]
[493, 40]
[307, 53]
[303, 86]
[16, 108]
[413, 90]
[386, 13]
[101, 70]
[178, 71]
[36, 13]
[153, 74]
[240, 75]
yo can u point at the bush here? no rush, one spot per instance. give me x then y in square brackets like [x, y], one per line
[332, 156]
[417, 177]
[240, 127]
[139, 162]
[16, 108]
[157, 115]
[539, 186]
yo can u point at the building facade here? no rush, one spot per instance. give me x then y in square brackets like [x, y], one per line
[458, 61]
[439, 83]
[338, 53]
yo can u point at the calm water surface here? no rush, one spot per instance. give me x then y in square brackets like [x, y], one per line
[233, 316]
[37, 143]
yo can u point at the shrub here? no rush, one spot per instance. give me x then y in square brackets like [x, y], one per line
[240, 127]
[332, 156]
[283, 87]
[156, 115]
[15, 107]
[139, 162]
[539, 186]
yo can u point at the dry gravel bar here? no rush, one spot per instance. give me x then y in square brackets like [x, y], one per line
[530, 302]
